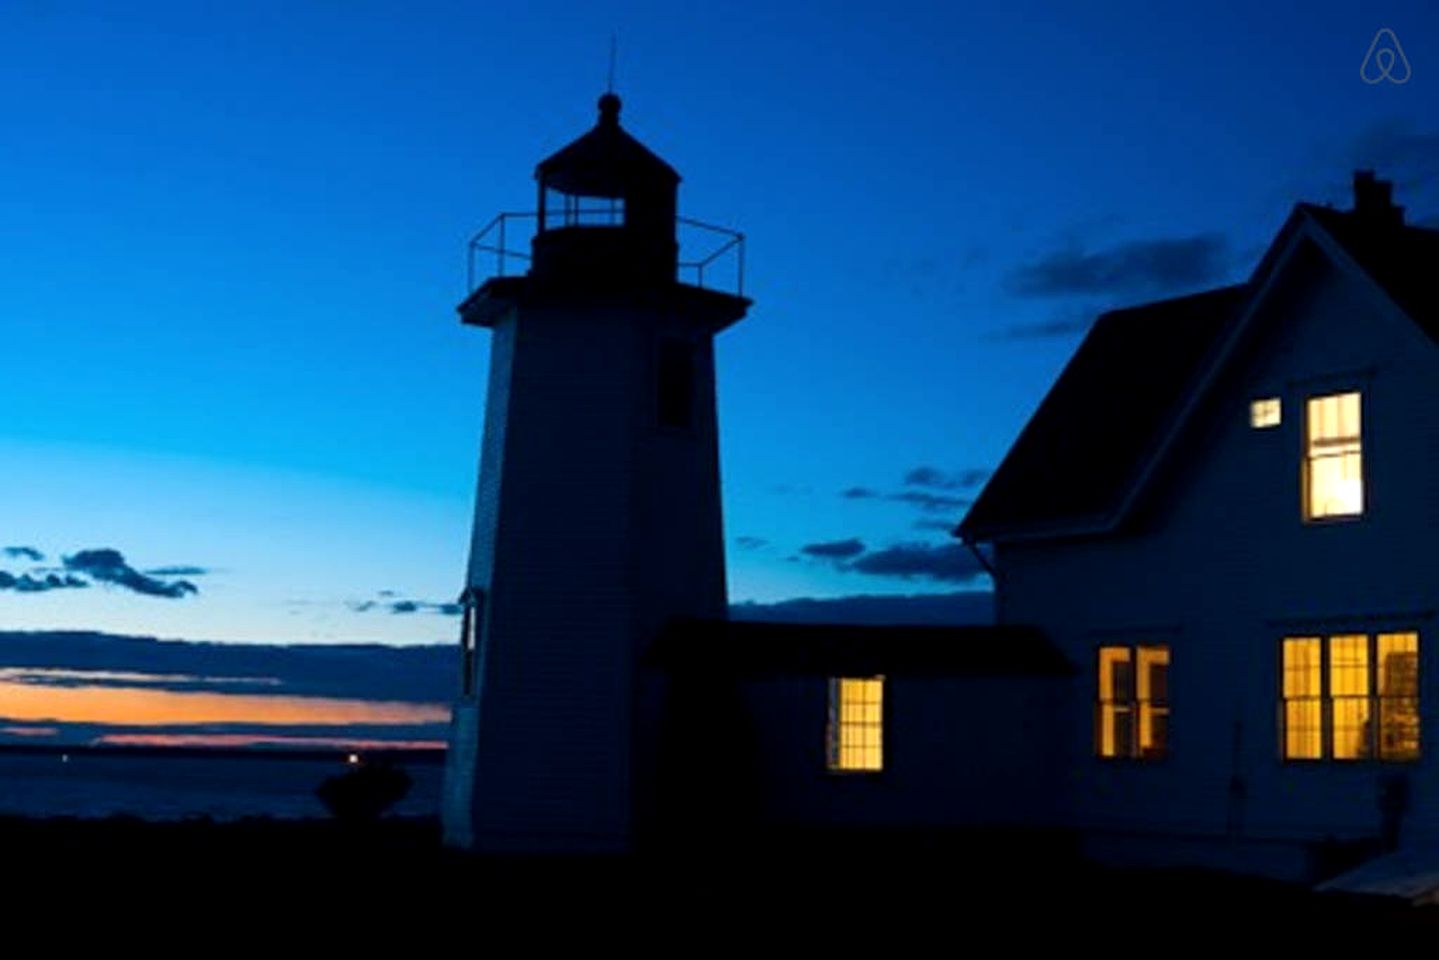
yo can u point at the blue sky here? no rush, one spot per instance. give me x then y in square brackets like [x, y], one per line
[233, 238]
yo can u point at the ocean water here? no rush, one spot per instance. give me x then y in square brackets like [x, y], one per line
[156, 786]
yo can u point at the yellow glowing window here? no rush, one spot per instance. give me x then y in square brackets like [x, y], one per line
[1398, 683]
[1303, 699]
[1264, 413]
[1333, 459]
[1132, 712]
[1351, 697]
[856, 724]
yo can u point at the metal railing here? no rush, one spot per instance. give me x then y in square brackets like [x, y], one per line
[728, 240]
[702, 246]
[481, 244]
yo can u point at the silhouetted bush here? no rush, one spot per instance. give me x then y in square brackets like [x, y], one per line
[365, 792]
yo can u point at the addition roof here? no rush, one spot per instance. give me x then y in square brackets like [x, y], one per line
[751, 648]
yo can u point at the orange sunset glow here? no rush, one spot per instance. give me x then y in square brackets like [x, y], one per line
[149, 707]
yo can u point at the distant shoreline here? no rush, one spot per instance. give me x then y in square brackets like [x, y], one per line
[408, 755]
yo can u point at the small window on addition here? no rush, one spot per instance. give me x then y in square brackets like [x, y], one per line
[1265, 413]
[1132, 713]
[675, 383]
[855, 732]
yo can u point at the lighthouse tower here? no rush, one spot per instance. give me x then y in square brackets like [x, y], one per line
[597, 516]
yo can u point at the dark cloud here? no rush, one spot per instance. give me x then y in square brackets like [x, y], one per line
[1396, 151]
[788, 489]
[1139, 267]
[934, 523]
[108, 566]
[930, 502]
[834, 549]
[926, 499]
[750, 543]
[179, 571]
[946, 563]
[25, 583]
[405, 606]
[24, 553]
[956, 608]
[937, 479]
[1065, 325]
[418, 674]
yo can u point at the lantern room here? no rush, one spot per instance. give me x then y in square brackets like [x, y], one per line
[606, 208]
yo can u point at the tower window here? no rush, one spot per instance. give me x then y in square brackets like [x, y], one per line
[1350, 697]
[1132, 718]
[472, 610]
[676, 383]
[1333, 461]
[855, 732]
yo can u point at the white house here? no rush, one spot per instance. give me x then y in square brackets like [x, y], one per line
[1223, 513]
[1216, 635]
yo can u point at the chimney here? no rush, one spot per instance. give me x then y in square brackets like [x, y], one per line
[1374, 201]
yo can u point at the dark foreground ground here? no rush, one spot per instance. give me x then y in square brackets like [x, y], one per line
[394, 876]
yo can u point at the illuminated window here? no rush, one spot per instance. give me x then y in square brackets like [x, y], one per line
[856, 724]
[1264, 413]
[1132, 713]
[1350, 697]
[1333, 462]
[1397, 679]
[1303, 699]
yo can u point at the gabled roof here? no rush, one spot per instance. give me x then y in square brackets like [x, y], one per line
[1403, 260]
[750, 648]
[1101, 419]
[1108, 418]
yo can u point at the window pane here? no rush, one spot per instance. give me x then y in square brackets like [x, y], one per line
[1349, 666]
[1301, 667]
[1114, 737]
[1116, 730]
[1351, 728]
[1302, 729]
[1115, 674]
[858, 742]
[1334, 471]
[1303, 710]
[1153, 690]
[1264, 413]
[1398, 681]
[1398, 665]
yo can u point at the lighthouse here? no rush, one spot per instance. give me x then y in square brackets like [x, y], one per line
[597, 513]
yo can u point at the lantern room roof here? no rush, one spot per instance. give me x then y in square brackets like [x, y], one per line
[606, 161]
